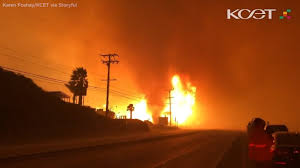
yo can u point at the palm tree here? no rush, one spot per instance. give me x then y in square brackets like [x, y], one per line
[78, 84]
[131, 109]
[72, 87]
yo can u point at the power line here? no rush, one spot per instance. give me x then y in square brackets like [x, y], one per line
[63, 82]
[43, 77]
[124, 90]
[125, 94]
[32, 74]
[56, 70]
[42, 65]
[67, 74]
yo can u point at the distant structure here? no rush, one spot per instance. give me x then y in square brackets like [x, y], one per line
[163, 121]
[110, 114]
[64, 97]
[121, 117]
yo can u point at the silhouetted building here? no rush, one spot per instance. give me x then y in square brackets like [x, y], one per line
[103, 113]
[61, 95]
[163, 121]
[121, 117]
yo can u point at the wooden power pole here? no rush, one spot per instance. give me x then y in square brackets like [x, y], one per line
[109, 59]
[170, 101]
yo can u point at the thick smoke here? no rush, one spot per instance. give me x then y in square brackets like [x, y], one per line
[241, 69]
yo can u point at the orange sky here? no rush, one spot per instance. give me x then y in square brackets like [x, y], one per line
[241, 69]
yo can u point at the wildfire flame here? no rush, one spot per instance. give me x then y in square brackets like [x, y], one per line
[141, 111]
[183, 104]
[183, 101]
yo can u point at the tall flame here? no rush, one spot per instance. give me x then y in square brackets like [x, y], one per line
[141, 111]
[183, 101]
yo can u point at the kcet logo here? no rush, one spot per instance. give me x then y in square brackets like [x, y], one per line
[285, 14]
[255, 14]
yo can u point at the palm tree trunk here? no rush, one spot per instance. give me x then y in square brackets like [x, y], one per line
[73, 98]
[80, 100]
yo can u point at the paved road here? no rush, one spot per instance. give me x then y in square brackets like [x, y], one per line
[202, 149]
[236, 156]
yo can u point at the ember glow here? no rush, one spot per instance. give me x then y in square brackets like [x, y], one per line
[183, 101]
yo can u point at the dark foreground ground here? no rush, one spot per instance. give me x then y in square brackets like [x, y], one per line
[207, 149]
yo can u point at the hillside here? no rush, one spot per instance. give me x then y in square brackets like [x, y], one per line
[28, 114]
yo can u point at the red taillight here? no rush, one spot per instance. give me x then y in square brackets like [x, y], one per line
[251, 145]
[261, 146]
[258, 145]
[280, 163]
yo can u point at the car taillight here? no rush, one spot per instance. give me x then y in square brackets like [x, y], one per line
[261, 146]
[280, 163]
[257, 145]
[251, 145]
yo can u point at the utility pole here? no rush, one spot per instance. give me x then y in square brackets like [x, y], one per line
[109, 59]
[170, 101]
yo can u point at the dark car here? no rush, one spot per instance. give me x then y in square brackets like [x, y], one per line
[286, 150]
[270, 129]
